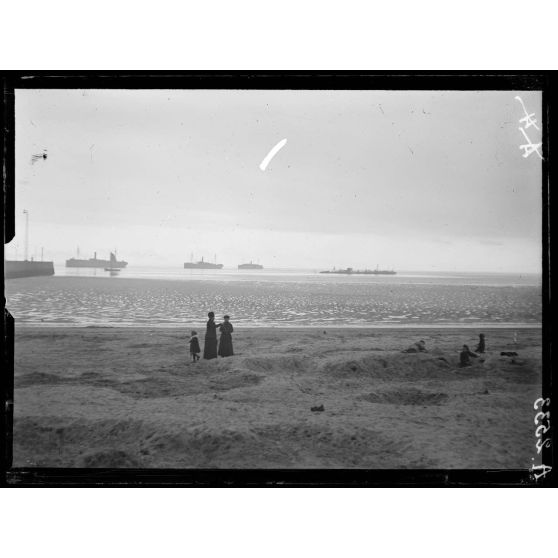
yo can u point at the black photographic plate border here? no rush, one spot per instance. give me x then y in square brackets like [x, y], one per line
[336, 80]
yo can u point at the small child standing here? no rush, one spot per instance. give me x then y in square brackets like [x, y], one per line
[194, 346]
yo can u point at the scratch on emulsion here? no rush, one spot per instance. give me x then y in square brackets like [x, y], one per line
[272, 153]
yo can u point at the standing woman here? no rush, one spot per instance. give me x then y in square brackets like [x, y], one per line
[481, 347]
[225, 343]
[210, 345]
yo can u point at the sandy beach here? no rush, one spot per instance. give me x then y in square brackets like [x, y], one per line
[129, 397]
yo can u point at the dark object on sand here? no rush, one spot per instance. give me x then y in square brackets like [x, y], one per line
[465, 356]
[319, 408]
[481, 347]
[508, 353]
[418, 347]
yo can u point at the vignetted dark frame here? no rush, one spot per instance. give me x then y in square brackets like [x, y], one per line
[336, 80]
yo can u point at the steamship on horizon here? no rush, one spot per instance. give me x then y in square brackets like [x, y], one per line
[351, 271]
[96, 262]
[250, 266]
[202, 265]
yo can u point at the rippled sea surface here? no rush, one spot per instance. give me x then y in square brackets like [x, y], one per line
[176, 297]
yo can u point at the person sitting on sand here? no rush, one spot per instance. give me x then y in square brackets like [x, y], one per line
[418, 347]
[225, 342]
[194, 346]
[464, 356]
[210, 345]
[481, 346]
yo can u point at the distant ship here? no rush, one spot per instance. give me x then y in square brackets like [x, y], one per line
[351, 271]
[113, 267]
[250, 266]
[202, 265]
[95, 262]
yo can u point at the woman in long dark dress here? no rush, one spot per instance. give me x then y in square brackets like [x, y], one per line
[225, 342]
[210, 345]
[481, 347]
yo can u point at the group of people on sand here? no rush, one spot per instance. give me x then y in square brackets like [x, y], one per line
[210, 348]
[225, 348]
[464, 356]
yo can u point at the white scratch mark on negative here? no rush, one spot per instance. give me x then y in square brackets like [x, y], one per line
[528, 119]
[529, 147]
[271, 154]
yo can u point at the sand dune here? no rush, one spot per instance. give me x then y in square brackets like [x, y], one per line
[117, 397]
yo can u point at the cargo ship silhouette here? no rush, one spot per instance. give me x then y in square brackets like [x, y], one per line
[351, 271]
[202, 265]
[250, 266]
[95, 262]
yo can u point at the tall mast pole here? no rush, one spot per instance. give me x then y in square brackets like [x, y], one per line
[26, 213]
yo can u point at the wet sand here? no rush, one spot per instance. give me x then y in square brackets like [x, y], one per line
[302, 302]
[129, 397]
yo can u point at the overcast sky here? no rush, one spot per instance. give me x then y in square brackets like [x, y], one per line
[408, 180]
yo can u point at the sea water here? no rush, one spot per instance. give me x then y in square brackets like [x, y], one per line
[159, 297]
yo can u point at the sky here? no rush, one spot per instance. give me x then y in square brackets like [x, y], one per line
[406, 180]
